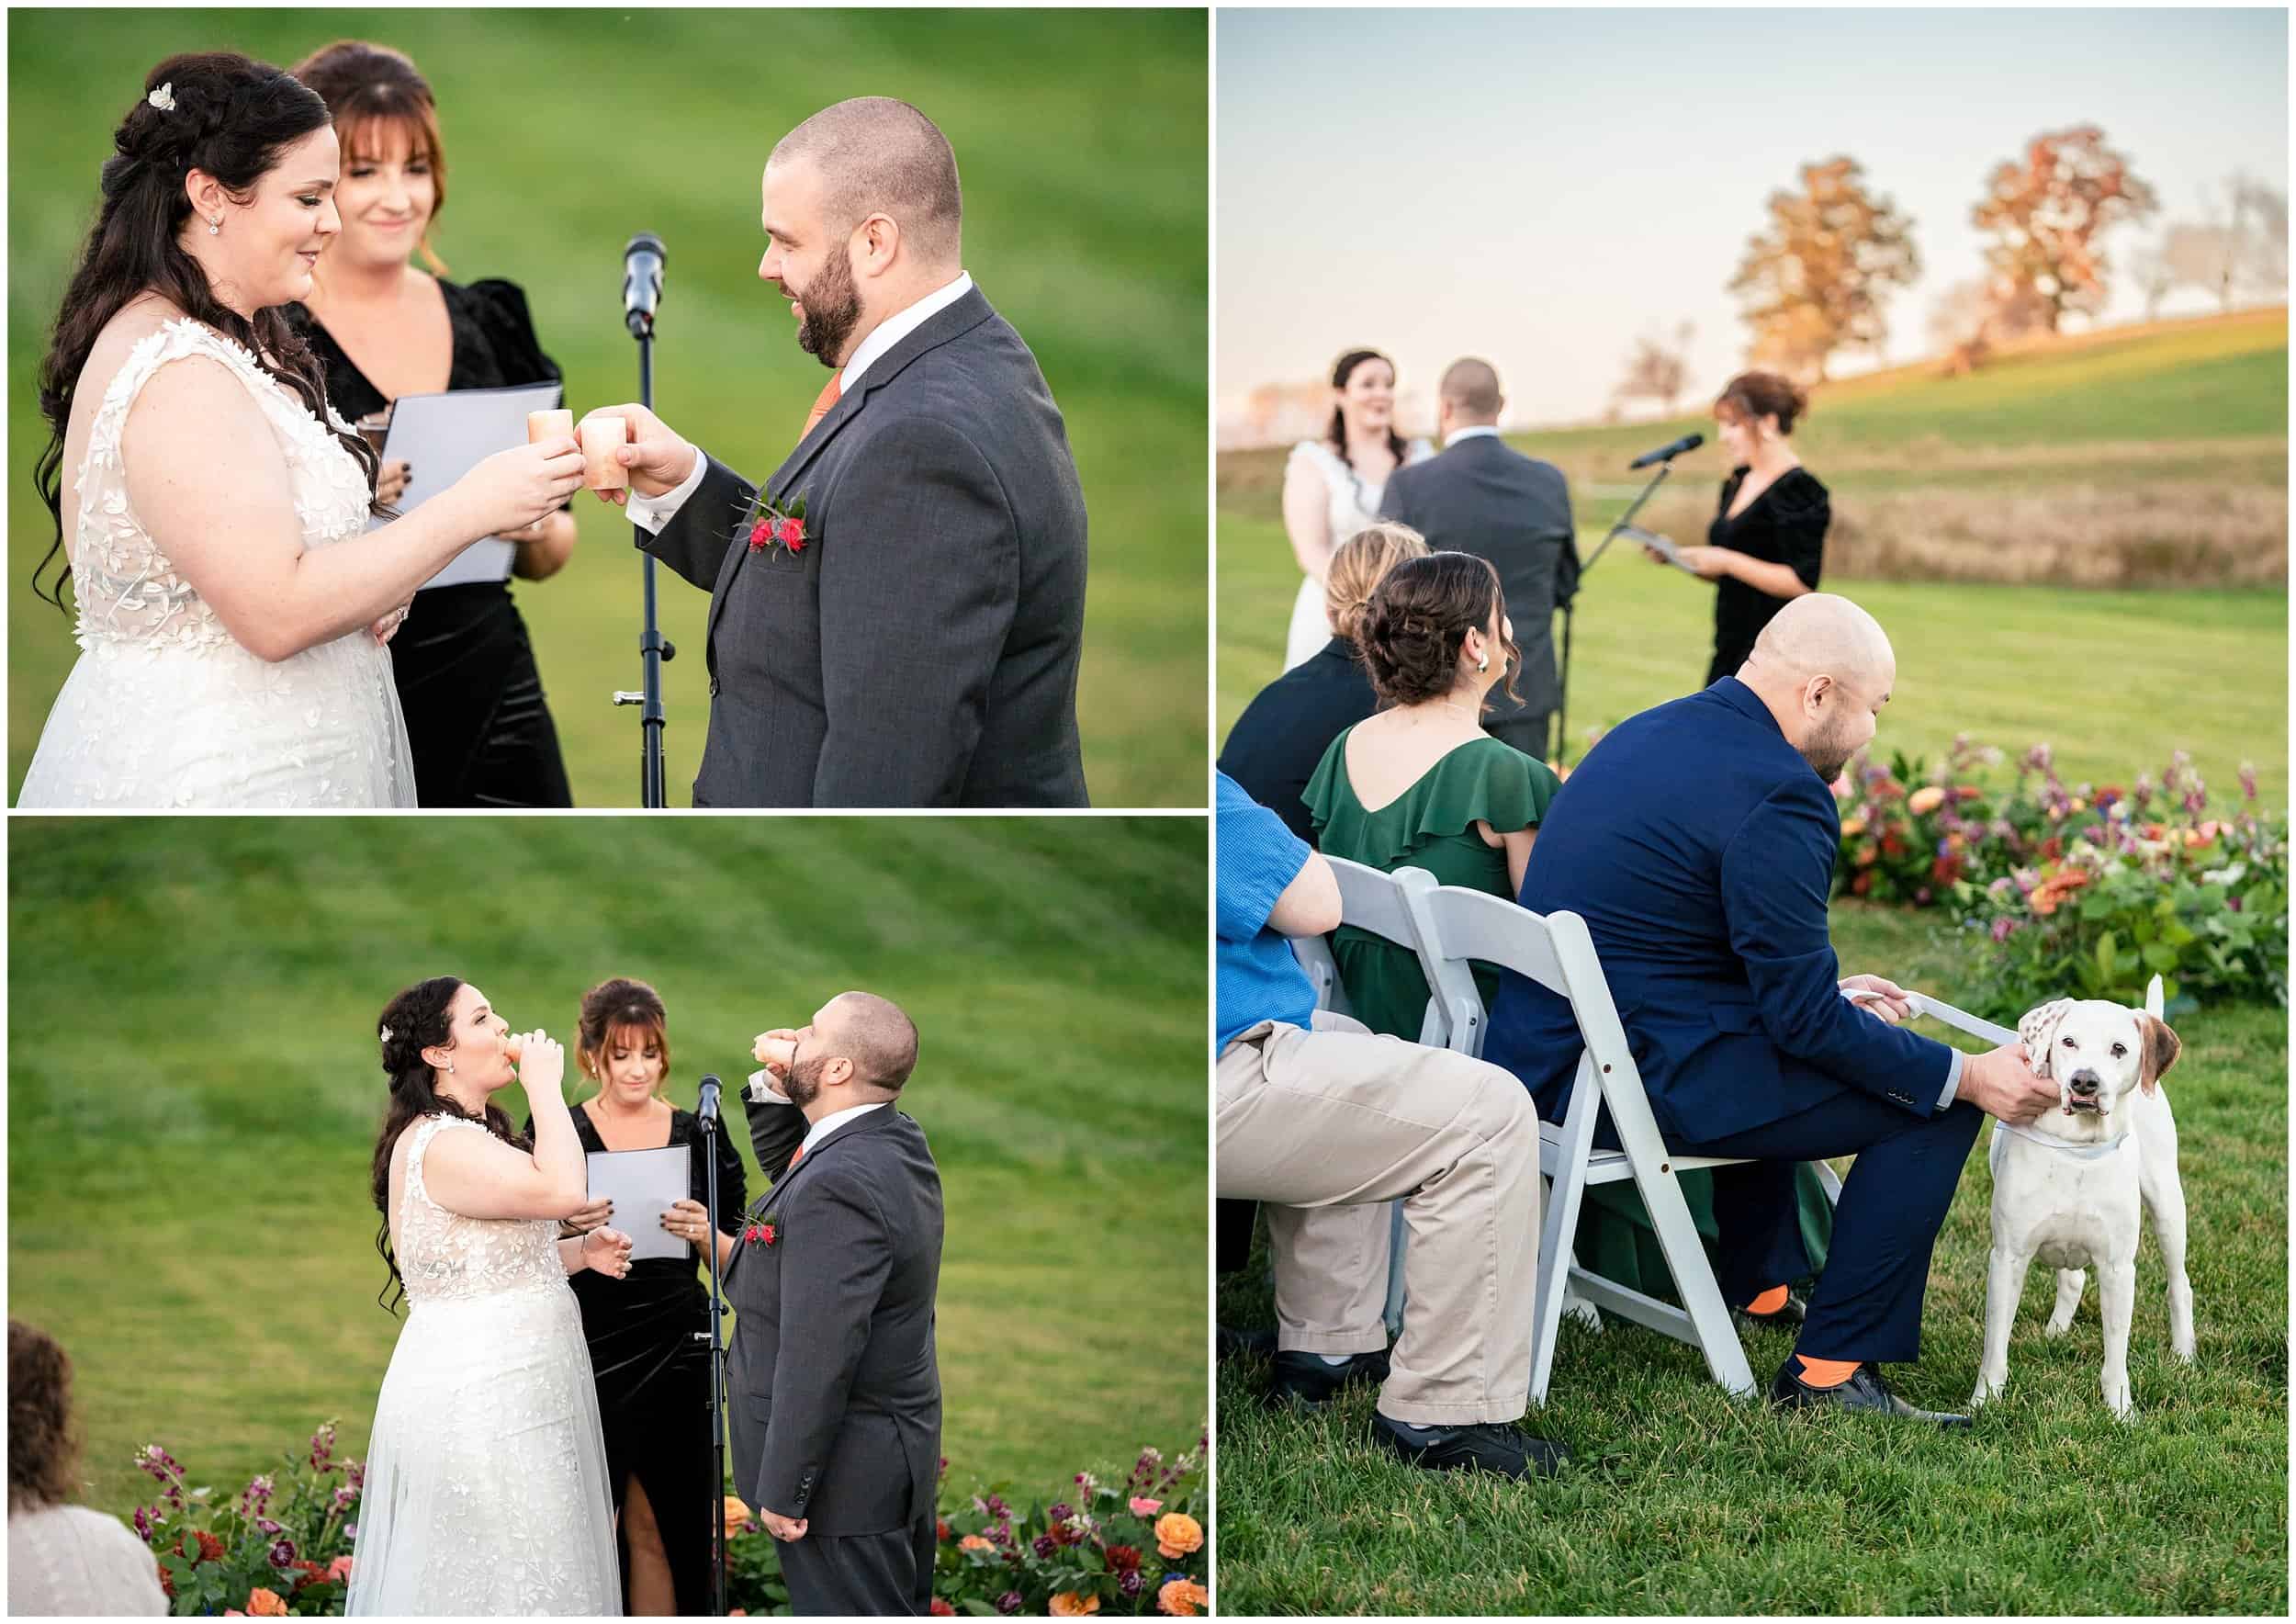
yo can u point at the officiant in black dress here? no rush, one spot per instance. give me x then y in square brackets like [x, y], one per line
[481, 732]
[1767, 544]
[652, 1371]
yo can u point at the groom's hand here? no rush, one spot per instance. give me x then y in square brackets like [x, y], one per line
[788, 1529]
[658, 461]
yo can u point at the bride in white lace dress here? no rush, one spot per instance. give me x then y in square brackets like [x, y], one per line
[486, 1490]
[1332, 486]
[232, 607]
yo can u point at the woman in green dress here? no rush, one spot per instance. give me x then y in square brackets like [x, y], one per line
[1418, 784]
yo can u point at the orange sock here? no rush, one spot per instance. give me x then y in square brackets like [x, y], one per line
[1770, 1301]
[1826, 1372]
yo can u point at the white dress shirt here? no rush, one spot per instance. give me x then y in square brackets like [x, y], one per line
[1468, 432]
[651, 513]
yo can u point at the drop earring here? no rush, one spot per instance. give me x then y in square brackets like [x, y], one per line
[215, 228]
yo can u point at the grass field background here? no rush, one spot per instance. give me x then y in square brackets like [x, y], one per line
[1683, 1500]
[1081, 137]
[2114, 678]
[194, 1090]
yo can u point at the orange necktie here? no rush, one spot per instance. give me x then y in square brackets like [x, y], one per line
[825, 400]
[795, 1156]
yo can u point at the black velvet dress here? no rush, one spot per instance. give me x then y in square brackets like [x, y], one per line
[1785, 525]
[481, 732]
[654, 1377]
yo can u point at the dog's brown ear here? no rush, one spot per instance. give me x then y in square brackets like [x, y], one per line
[2161, 1049]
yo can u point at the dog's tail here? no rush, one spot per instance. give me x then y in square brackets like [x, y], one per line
[2153, 1005]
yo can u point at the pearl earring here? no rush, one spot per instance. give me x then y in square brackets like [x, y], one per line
[1483, 663]
[450, 1069]
[215, 228]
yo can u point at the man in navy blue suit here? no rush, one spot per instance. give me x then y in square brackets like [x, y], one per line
[1697, 840]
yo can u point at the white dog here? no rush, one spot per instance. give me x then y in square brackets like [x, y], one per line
[2066, 1189]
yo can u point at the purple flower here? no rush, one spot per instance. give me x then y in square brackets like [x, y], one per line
[282, 1553]
[345, 1499]
[1043, 1547]
[2232, 903]
[1010, 1602]
[2248, 780]
[144, 1524]
[1059, 1511]
[2004, 929]
[350, 1532]
[995, 1505]
[1132, 1583]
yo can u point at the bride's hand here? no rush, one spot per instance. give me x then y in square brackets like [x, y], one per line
[512, 489]
[541, 1066]
[608, 1252]
[387, 627]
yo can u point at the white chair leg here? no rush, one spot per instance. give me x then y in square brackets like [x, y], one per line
[1561, 1223]
[1693, 1282]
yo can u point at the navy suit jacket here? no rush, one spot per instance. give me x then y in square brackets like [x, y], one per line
[1699, 847]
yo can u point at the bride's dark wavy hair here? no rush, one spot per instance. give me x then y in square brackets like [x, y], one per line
[1336, 432]
[232, 119]
[418, 1019]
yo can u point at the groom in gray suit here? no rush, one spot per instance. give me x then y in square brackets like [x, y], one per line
[1483, 496]
[897, 617]
[834, 1396]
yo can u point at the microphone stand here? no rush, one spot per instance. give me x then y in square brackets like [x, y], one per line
[1623, 524]
[653, 648]
[718, 1360]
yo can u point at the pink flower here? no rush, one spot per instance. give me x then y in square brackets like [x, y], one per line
[338, 1570]
[1143, 1507]
[790, 534]
[762, 536]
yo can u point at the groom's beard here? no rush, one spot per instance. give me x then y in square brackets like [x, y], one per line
[832, 309]
[1828, 753]
[804, 1085]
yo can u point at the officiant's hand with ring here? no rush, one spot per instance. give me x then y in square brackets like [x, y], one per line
[688, 1220]
[658, 459]
[608, 1252]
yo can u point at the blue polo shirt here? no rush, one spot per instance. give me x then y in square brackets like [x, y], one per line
[1259, 977]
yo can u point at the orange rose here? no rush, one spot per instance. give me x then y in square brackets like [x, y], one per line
[1179, 1534]
[1853, 828]
[1183, 1598]
[975, 1542]
[264, 1604]
[1927, 798]
[735, 1515]
[1075, 1604]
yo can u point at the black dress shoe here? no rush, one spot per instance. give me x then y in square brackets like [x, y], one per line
[1309, 1380]
[1793, 1311]
[1864, 1389]
[1234, 1344]
[1491, 1445]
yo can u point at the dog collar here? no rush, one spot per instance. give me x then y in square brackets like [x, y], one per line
[2072, 1147]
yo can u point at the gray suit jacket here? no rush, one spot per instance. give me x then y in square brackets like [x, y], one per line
[834, 1393]
[922, 649]
[1483, 496]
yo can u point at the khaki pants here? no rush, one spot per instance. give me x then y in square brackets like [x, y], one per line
[1327, 1126]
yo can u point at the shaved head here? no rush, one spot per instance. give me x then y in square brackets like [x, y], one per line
[1472, 389]
[1819, 635]
[875, 1035]
[876, 155]
[1825, 669]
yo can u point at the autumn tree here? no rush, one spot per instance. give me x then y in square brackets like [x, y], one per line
[1815, 279]
[1657, 369]
[2047, 215]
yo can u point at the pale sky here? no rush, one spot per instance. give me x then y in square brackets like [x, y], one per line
[1540, 187]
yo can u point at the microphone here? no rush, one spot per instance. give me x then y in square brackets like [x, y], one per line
[1663, 454]
[641, 283]
[706, 1113]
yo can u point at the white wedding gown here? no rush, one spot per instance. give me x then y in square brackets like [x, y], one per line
[163, 708]
[1351, 503]
[486, 1489]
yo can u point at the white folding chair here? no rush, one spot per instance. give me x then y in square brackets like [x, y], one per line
[1555, 951]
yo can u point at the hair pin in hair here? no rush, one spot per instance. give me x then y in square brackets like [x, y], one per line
[386, 1034]
[163, 97]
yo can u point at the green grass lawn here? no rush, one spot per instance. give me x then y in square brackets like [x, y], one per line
[1081, 140]
[193, 1093]
[1681, 1500]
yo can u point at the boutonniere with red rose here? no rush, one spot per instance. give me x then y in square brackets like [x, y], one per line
[771, 527]
[765, 1231]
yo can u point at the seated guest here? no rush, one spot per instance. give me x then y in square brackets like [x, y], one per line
[65, 1559]
[1274, 747]
[1328, 1124]
[1421, 784]
[1697, 841]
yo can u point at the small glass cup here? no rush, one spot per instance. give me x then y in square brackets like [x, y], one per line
[555, 424]
[601, 438]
